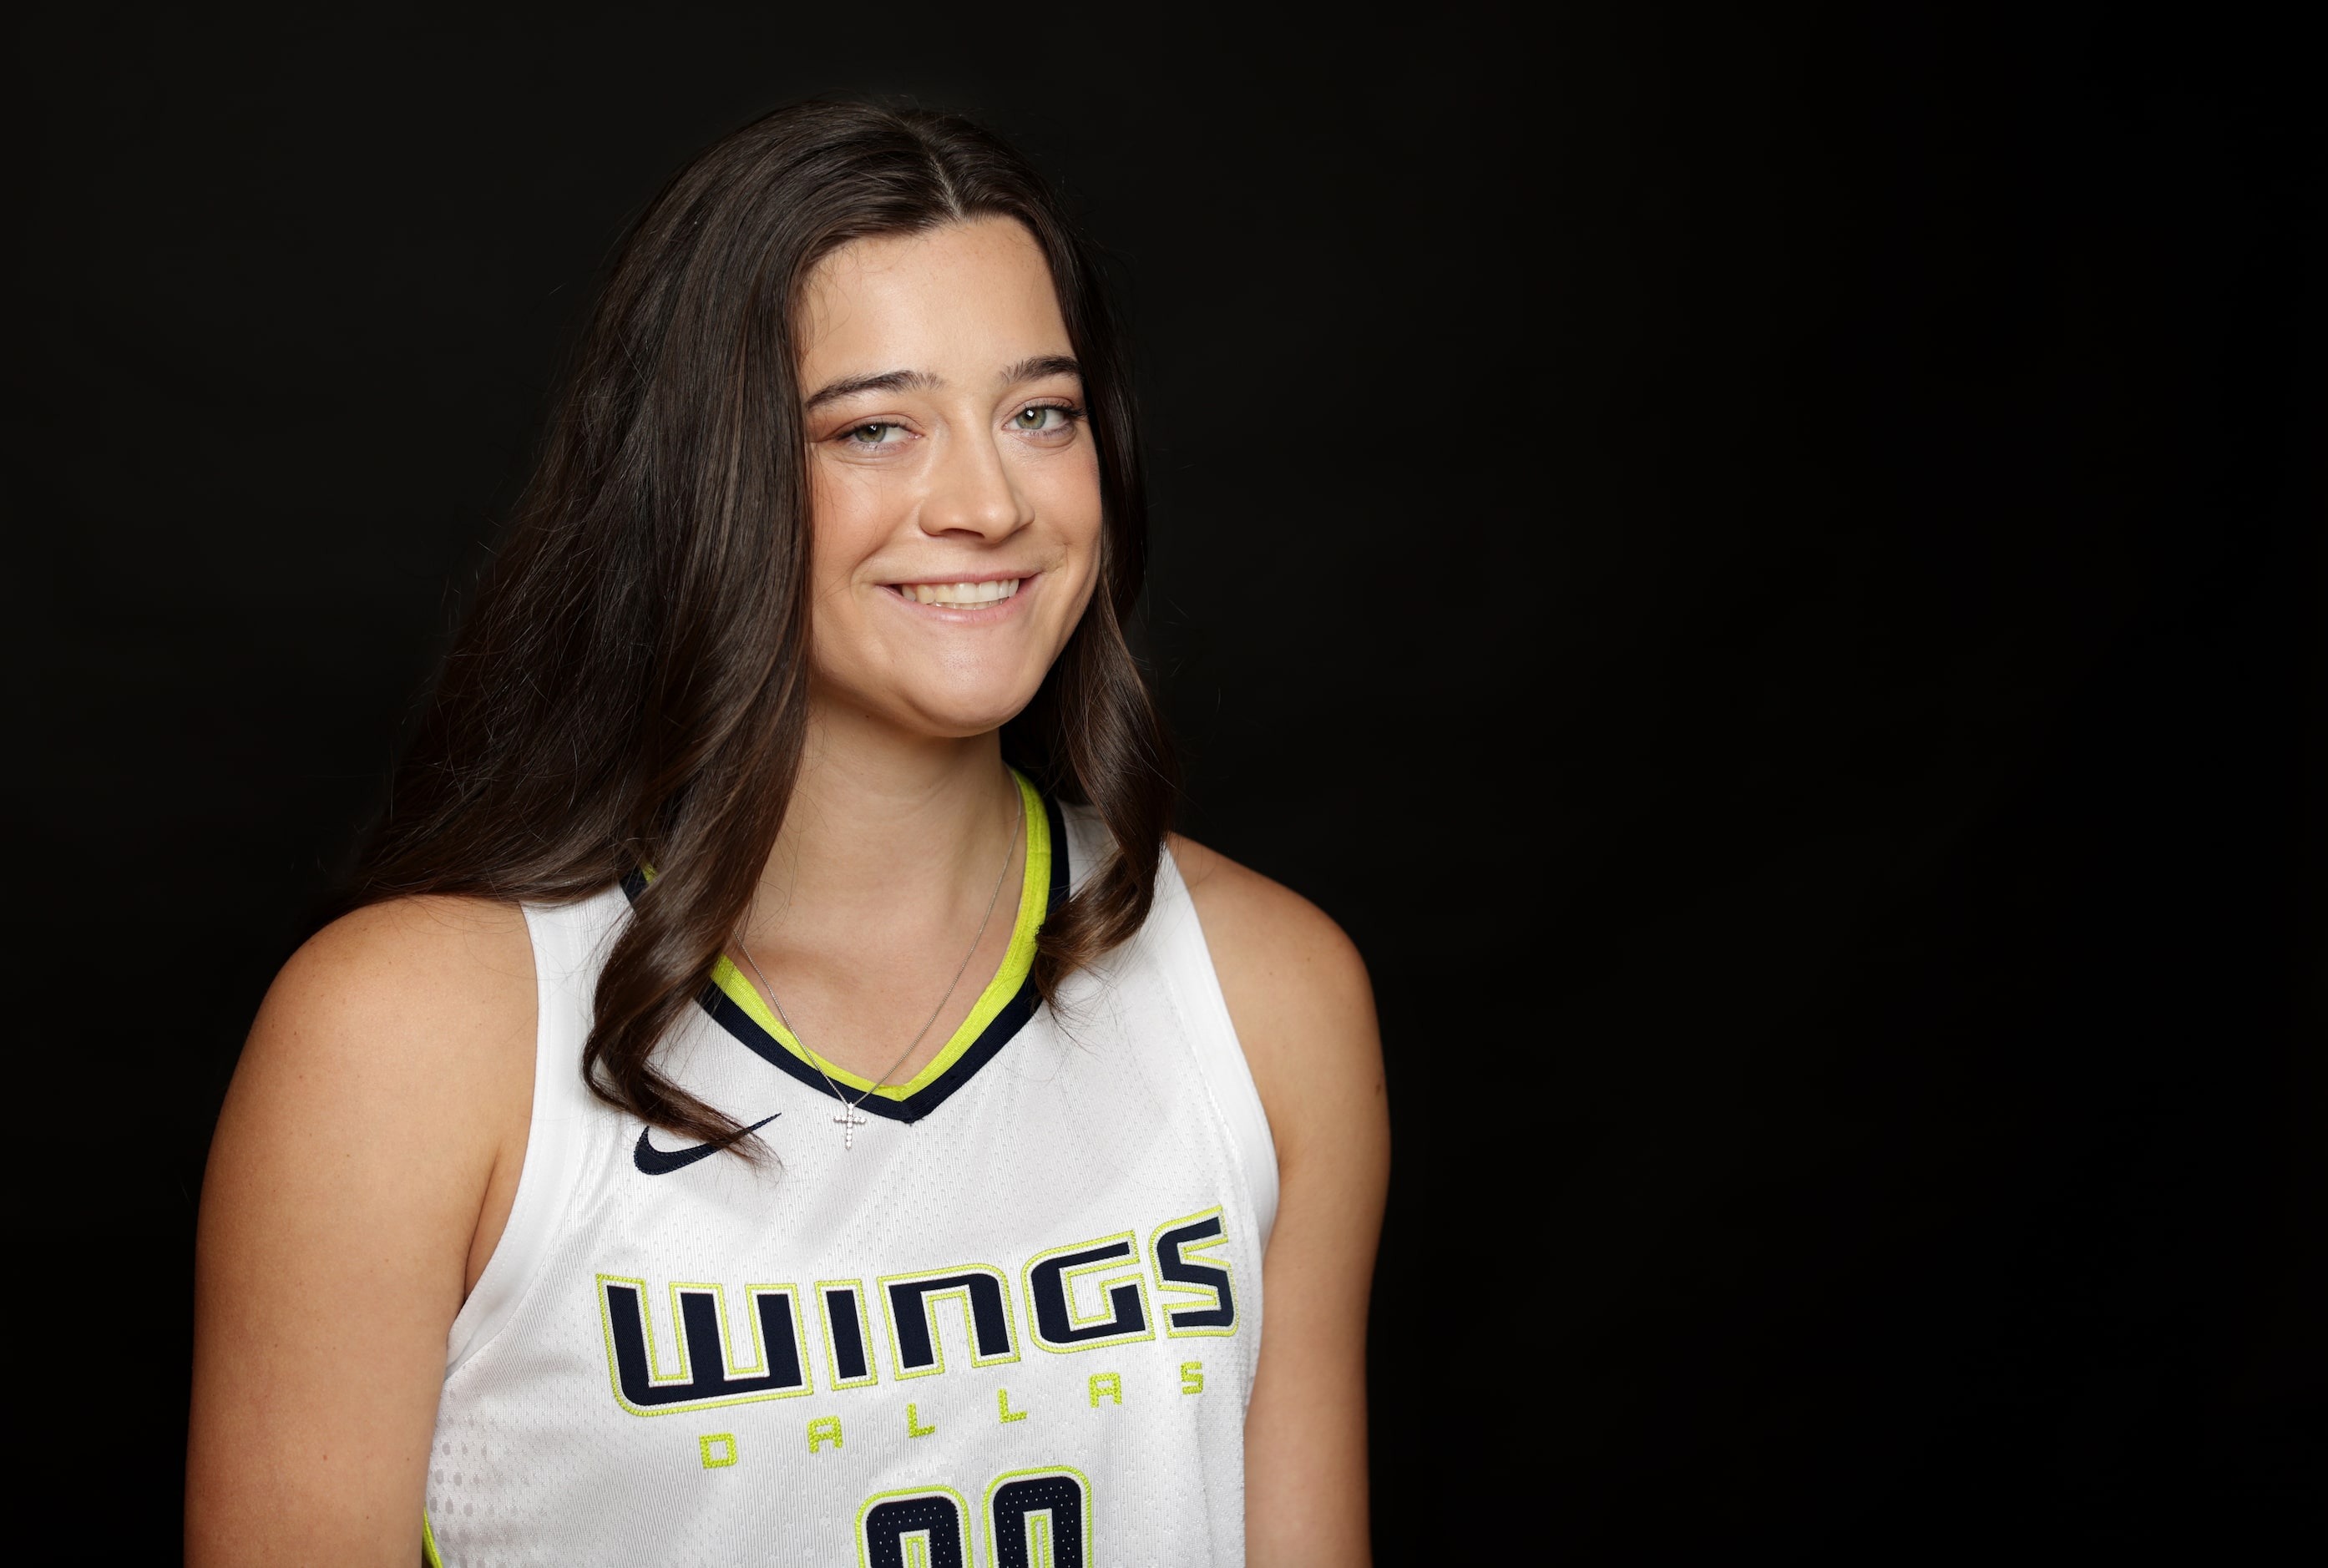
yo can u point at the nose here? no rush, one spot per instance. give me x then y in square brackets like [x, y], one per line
[969, 490]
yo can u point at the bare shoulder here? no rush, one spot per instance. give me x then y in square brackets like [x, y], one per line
[409, 958]
[401, 1034]
[409, 991]
[1266, 924]
[365, 1158]
[1296, 988]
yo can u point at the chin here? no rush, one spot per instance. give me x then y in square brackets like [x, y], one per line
[939, 698]
[959, 718]
[948, 710]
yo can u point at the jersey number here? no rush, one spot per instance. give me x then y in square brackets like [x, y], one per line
[1038, 1518]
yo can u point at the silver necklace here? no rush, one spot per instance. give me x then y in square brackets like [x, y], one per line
[848, 1120]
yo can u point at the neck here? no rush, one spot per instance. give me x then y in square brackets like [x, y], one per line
[886, 827]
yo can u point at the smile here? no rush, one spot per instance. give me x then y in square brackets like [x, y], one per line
[959, 596]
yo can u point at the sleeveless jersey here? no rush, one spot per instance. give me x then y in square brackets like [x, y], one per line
[1007, 1313]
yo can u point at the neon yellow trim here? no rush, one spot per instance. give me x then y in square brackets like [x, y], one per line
[725, 1351]
[855, 1289]
[1107, 1273]
[965, 1527]
[1208, 1297]
[1017, 962]
[428, 1552]
[927, 1307]
[1038, 1524]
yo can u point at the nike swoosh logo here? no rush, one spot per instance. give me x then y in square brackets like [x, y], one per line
[653, 1161]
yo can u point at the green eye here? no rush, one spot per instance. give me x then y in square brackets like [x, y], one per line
[869, 434]
[1033, 419]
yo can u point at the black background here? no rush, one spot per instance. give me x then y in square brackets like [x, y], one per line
[1767, 570]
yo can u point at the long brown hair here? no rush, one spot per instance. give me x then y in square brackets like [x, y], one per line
[630, 687]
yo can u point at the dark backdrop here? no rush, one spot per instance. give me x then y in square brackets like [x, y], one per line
[1766, 570]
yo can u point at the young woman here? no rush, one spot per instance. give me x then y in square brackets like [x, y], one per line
[782, 1095]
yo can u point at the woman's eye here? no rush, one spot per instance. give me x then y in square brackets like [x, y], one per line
[1040, 416]
[879, 433]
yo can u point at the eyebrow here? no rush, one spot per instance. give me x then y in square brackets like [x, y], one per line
[1028, 370]
[1040, 366]
[887, 381]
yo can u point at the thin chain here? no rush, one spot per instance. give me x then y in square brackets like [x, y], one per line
[817, 1061]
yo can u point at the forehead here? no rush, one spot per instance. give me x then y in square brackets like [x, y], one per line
[965, 299]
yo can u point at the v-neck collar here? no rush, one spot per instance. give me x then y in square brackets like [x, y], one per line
[1002, 1008]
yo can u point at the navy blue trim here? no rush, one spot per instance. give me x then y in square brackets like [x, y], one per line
[998, 1033]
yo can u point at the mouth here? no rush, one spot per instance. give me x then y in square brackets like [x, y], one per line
[959, 596]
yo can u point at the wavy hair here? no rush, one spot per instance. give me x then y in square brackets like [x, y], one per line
[631, 684]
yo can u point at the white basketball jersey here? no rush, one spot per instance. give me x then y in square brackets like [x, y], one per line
[1007, 1313]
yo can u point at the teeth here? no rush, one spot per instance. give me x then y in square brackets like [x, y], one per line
[959, 596]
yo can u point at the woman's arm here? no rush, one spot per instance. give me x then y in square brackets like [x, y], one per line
[1297, 992]
[361, 1171]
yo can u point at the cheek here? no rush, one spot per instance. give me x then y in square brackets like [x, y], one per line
[845, 525]
[1075, 502]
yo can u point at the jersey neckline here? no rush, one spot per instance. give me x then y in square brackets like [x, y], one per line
[1002, 1008]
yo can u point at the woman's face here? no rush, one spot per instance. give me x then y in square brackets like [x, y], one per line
[954, 486]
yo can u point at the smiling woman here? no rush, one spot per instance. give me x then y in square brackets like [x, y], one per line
[596, 1187]
[959, 492]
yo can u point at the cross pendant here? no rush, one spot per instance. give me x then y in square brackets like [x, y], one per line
[850, 1122]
